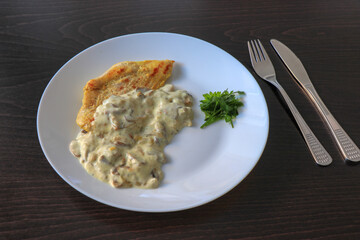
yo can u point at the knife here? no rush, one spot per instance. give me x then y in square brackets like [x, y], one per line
[347, 147]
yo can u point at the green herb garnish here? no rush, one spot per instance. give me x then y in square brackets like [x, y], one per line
[221, 105]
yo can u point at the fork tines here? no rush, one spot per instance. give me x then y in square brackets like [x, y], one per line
[256, 49]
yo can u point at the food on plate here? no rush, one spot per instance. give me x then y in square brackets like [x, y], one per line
[221, 106]
[125, 146]
[119, 79]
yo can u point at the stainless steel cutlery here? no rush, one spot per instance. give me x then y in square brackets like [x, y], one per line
[348, 148]
[264, 68]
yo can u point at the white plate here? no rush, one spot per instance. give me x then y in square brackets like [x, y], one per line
[203, 164]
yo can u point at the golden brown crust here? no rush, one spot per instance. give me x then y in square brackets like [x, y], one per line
[119, 79]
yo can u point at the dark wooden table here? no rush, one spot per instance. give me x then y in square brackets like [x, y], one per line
[286, 196]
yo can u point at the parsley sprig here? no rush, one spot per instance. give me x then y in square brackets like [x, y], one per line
[221, 105]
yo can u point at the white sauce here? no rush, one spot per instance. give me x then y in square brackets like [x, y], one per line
[126, 145]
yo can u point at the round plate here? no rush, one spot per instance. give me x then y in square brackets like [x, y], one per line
[203, 164]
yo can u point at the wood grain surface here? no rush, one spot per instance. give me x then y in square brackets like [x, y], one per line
[286, 196]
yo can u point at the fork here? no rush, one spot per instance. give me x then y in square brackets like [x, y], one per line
[265, 69]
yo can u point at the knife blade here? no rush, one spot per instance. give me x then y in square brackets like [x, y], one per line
[347, 147]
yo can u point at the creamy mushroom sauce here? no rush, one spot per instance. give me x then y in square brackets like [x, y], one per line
[125, 147]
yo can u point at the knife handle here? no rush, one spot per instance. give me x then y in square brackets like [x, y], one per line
[347, 147]
[320, 155]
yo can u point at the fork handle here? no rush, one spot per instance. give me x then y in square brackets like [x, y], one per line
[347, 147]
[320, 155]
